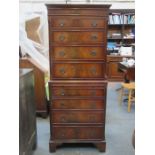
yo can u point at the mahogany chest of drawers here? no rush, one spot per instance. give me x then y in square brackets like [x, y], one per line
[78, 86]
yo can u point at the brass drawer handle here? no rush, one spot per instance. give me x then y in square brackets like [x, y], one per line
[62, 134]
[62, 103]
[62, 70]
[93, 70]
[62, 53]
[61, 38]
[62, 24]
[94, 24]
[62, 92]
[94, 37]
[93, 53]
[63, 119]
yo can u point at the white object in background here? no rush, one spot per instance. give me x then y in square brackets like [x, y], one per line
[125, 51]
[131, 62]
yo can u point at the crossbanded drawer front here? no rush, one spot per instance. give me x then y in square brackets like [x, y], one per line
[78, 12]
[76, 22]
[77, 52]
[77, 104]
[77, 70]
[78, 91]
[78, 133]
[73, 37]
[77, 116]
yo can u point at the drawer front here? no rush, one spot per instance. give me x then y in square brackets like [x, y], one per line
[78, 12]
[77, 91]
[78, 37]
[65, 116]
[78, 52]
[66, 22]
[114, 59]
[77, 104]
[78, 70]
[79, 133]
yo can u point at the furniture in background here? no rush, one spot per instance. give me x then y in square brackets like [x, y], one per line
[125, 27]
[39, 85]
[78, 86]
[128, 71]
[27, 113]
[113, 70]
[121, 26]
[131, 93]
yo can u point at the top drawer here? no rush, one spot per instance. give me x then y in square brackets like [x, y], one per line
[77, 22]
[78, 11]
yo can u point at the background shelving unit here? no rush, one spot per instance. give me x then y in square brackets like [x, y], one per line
[124, 39]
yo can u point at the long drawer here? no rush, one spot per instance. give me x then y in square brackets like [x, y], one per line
[78, 91]
[78, 104]
[78, 132]
[62, 22]
[78, 70]
[77, 116]
[78, 37]
[77, 52]
[78, 11]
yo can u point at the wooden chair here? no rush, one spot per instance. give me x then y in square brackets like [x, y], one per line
[131, 97]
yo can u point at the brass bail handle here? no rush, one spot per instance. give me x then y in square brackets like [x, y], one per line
[94, 37]
[94, 24]
[62, 38]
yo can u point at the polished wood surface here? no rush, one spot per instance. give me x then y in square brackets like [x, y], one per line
[77, 103]
[78, 52]
[83, 22]
[77, 36]
[78, 116]
[77, 133]
[77, 70]
[39, 84]
[27, 111]
[77, 45]
[113, 72]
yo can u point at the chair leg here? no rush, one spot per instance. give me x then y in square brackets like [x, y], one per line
[129, 100]
[121, 96]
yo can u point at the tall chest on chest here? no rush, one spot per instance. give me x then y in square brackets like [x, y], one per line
[77, 45]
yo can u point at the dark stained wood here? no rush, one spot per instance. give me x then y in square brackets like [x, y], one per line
[77, 104]
[74, 22]
[77, 52]
[77, 45]
[77, 133]
[39, 85]
[77, 36]
[27, 111]
[113, 72]
[77, 116]
[77, 70]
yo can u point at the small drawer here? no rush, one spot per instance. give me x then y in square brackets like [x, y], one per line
[65, 116]
[77, 52]
[78, 70]
[76, 22]
[78, 37]
[77, 104]
[78, 133]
